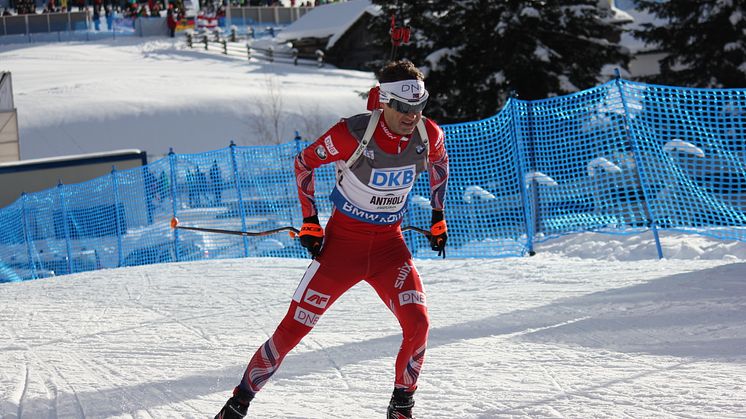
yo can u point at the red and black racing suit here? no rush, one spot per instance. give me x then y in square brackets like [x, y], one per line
[356, 250]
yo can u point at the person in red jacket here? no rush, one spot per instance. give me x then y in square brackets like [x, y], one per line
[378, 157]
[171, 21]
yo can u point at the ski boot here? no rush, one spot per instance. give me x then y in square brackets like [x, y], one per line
[237, 406]
[401, 404]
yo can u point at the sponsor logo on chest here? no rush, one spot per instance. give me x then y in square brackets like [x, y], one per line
[393, 178]
[387, 201]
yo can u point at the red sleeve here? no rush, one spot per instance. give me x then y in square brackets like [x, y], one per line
[438, 167]
[335, 144]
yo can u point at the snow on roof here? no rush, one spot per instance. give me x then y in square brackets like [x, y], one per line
[329, 20]
[71, 157]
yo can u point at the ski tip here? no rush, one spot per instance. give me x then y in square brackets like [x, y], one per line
[292, 234]
[174, 222]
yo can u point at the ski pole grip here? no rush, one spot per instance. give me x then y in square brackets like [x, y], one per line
[438, 228]
[311, 229]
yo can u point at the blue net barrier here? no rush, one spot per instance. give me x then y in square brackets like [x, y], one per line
[623, 157]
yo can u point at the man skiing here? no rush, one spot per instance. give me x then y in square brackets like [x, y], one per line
[378, 157]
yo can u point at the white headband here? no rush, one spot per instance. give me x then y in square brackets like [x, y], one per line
[409, 91]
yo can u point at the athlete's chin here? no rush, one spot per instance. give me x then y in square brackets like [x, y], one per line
[406, 129]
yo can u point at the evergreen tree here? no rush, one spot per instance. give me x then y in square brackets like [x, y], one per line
[704, 40]
[475, 52]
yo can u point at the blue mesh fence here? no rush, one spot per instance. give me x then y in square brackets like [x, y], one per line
[623, 157]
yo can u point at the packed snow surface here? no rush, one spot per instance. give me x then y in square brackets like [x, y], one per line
[567, 333]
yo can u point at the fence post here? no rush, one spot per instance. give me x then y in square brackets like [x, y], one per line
[528, 214]
[189, 40]
[240, 198]
[117, 220]
[638, 160]
[205, 40]
[225, 46]
[234, 34]
[248, 50]
[295, 56]
[320, 57]
[271, 53]
[68, 245]
[27, 235]
[172, 167]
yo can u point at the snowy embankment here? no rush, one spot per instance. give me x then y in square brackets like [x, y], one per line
[548, 336]
[154, 94]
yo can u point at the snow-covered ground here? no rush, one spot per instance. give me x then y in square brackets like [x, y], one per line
[554, 335]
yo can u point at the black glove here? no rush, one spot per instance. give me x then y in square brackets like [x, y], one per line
[438, 233]
[312, 235]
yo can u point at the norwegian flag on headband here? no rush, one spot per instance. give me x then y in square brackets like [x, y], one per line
[374, 99]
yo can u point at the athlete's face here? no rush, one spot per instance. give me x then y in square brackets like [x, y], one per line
[400, 123]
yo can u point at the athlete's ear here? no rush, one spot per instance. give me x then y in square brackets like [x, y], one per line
[373, 98]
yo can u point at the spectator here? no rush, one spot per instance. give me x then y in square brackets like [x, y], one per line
[171, 20]
[191, 188]
[97, 17]
[150, 192]
[6, 12]
[164, 184]
[109, 17]
[202, 186]
[217, 183]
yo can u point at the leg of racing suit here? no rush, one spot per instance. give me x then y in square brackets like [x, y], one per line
[350, 255]
[400, 287]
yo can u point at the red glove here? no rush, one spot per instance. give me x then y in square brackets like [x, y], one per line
[312, 235]
[438, 233]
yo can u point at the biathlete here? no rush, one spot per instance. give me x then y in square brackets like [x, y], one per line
[378, 157]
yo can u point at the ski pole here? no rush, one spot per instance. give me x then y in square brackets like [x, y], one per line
[291, 230]
[416, 229]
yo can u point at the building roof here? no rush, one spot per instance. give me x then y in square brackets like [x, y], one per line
[330, 20]
[69, 158]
